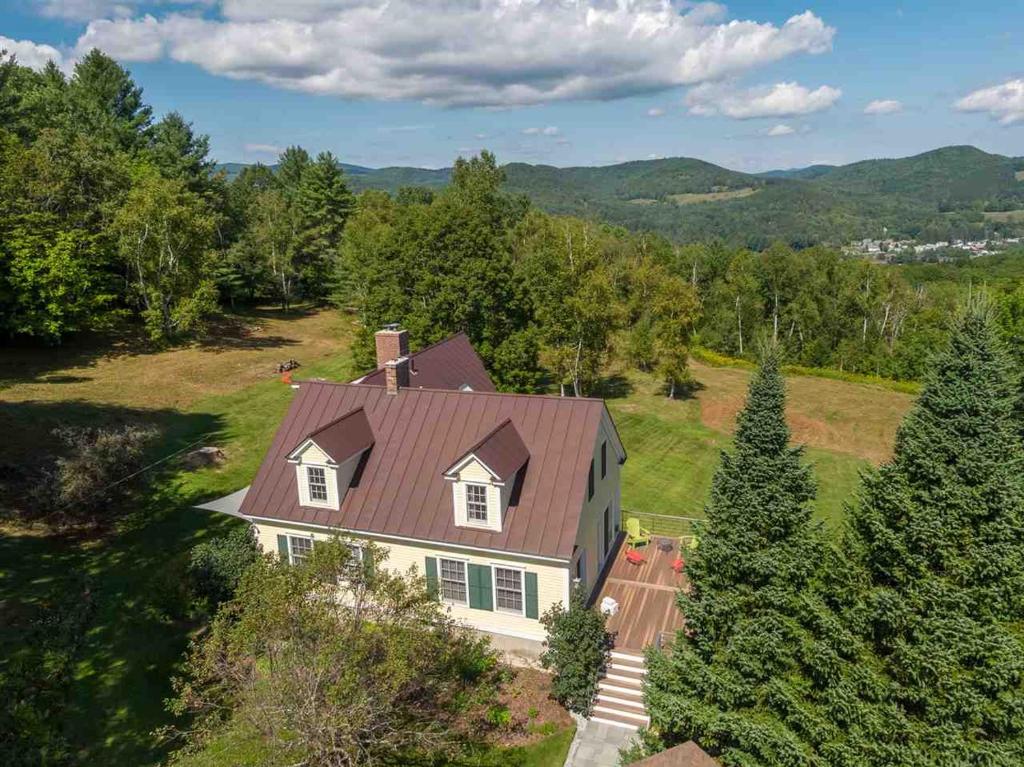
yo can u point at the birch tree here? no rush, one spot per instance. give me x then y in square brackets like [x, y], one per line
[164, 234]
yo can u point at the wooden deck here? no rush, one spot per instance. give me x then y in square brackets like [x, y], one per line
[646, 594]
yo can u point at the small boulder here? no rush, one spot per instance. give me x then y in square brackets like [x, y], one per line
[203, 457]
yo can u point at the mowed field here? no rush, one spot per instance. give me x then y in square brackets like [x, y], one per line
[225, 392]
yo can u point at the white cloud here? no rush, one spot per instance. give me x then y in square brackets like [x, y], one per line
[655, 112]
[883, 107]
[263, 149]
[31, 54]
[780, 130]
[87, 10]
[550, 130]
[496, 53]
[1002, 102]
[779, 100]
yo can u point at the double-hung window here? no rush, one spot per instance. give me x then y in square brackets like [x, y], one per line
[299, 549]
[508, 589]
[604, 460]
[476, 503]
[317, 479]
[590, 481]
[453, 581]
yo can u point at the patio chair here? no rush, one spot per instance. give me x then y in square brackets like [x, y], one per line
[688, 542]
[636, 535]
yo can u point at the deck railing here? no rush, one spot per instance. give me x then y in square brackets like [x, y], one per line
[663, 524]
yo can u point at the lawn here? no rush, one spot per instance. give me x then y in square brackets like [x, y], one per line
[104, 618]
[673, 446]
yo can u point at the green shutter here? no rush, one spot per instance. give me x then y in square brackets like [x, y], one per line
[531, 595]
[480, 596]
[282, 547]
[368, 563]
[430, 568]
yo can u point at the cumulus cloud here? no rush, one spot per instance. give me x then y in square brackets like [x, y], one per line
[31, 54]
[495, 53]
[550, 130]
[86, 10]
[883, 107]
[780, 130]
[779, 100]
[1002, 102]
[655, 112]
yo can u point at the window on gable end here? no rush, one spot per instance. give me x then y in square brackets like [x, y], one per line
[590, 481]
[604, 460]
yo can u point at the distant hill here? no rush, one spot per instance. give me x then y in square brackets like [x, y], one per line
[937, 195]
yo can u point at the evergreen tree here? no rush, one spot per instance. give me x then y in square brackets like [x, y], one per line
[323, 203]
[737, 676]
[105, 101]
[937, 539]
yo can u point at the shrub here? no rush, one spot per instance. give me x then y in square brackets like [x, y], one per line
[578, 646]
[94, 471]
[217, 566]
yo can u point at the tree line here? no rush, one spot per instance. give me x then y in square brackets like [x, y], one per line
[898, 645]
[108, 215]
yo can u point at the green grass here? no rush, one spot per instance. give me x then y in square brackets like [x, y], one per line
[672, 458]
[237, 747]
[135, 577]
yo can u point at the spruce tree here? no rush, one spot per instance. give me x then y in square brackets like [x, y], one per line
[737, 678]
[935, 582]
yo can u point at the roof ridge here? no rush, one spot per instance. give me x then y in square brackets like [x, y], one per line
[469, 393]
[337, 420]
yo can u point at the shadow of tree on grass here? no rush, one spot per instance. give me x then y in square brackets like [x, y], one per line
[110, 696]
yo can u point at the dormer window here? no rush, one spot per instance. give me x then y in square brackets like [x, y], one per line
[327, 458]
[484, 477]
[476, 503]
[317, 479]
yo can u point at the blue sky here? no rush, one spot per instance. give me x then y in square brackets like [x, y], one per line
[749, 85]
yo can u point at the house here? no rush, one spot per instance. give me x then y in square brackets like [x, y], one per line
[503, 501]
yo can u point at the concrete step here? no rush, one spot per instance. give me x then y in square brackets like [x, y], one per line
[628, 657]
[613, 712]
[628, 680]
[615, 723]
[620, 689]
[619, 701]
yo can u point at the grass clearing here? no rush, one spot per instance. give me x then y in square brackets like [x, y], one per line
[697, 198]
[1004, 216]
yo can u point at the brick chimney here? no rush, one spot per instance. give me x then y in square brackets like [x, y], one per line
[396, 375]
[392, 344]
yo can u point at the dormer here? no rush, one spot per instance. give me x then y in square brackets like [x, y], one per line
[326, 459]
[484, 476]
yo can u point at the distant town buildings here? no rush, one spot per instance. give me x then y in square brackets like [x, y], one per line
[892, 250]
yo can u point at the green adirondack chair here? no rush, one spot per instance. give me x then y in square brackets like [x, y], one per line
[636, 535]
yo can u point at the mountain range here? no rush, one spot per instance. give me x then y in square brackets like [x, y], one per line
[956, 191]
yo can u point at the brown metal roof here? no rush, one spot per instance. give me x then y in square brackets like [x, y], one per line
[418, 434]
[343, 437]
[502, 451]
[687, 754]
[448, 364]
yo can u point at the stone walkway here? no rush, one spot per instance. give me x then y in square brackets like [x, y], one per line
[597, 744]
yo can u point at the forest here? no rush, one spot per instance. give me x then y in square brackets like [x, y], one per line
[110, 216]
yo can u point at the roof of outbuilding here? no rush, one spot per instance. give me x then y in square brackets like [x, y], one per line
[501, 451]
[419, 433]
[448, 364]
[687, 754]
[342, 438]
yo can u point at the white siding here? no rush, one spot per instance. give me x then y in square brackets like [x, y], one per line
[589, 538]
[338, 477]
[474, 472]
[552, 578]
